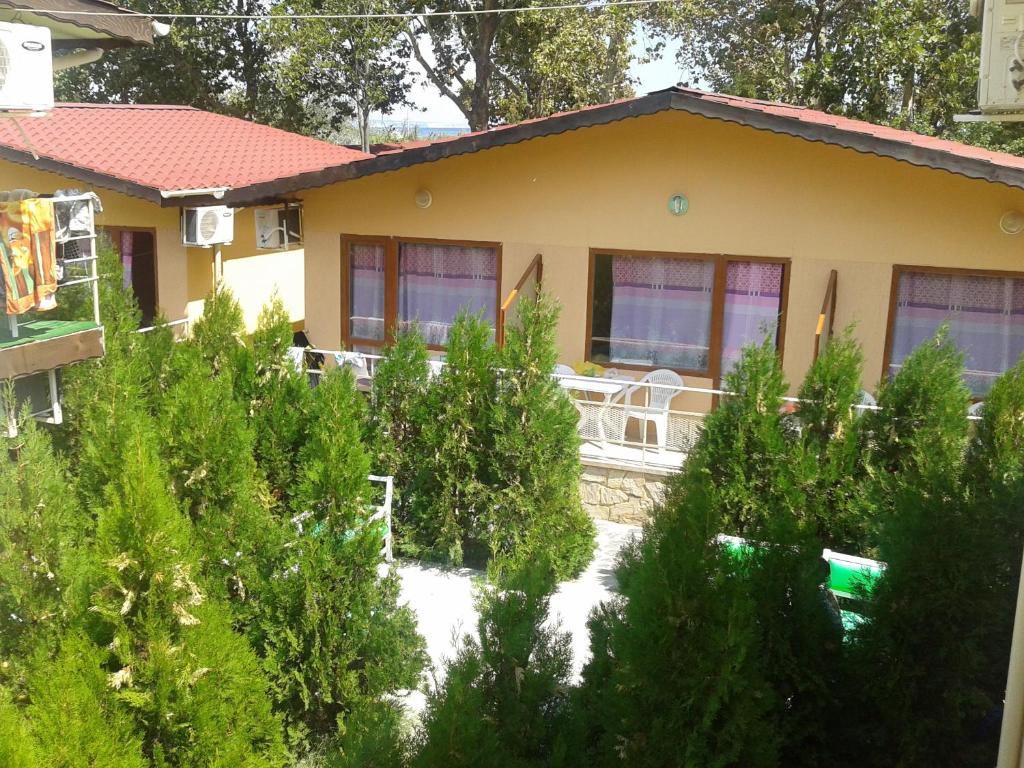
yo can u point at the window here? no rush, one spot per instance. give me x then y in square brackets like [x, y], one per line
[691, 313]
[137, 248]
[389, 283]
[984, 311]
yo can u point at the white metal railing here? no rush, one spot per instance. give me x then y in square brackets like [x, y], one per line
[183, 322]
[382, 513]
[615, 415]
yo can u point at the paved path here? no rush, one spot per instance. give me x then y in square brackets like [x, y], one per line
[443, 598]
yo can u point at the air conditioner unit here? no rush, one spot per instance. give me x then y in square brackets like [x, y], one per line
[26, 68]
[278, 227]
[1001, 81]
[207, 225]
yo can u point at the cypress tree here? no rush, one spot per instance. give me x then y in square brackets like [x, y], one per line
[745, 454]
[278, 399]
[396, 418]
[925, 678]
[505, 694]
[41, 524]
[535, 461]
[17, 745]
[73, 718]
[452, 496]
[208, 446]
[219, 333]
[192, 686]
[829, 451]
[332, 633]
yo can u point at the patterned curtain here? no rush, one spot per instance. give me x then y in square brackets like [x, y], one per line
[127, 243]
[753, 301]
[661, 311]
[366, 283]
[436, 281]
[985, 317]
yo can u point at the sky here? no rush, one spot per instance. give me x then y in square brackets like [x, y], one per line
[432, 110]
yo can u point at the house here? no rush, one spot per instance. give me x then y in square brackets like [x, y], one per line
[147, 164]
[674, 228]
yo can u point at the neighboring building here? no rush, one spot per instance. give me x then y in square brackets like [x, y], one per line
[779, 198]
[46, 246]
[147, 163]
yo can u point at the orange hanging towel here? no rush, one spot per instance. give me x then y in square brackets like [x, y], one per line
[28, 255]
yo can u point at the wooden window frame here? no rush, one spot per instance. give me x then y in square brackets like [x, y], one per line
[715, 335]
[111, 229]
[392, 244]
[899, 269]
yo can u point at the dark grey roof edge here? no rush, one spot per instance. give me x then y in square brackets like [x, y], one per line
[658, 101]
[462, 145]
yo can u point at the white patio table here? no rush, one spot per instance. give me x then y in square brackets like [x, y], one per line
[606, 388]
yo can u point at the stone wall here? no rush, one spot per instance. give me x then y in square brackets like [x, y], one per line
[620, 495]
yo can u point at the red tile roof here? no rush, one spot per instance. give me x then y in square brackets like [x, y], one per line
[152, 148]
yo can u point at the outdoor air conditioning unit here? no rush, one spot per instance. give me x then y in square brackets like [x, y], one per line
[207, 225]
[278, 227]
[1001, 81]
[26, 68]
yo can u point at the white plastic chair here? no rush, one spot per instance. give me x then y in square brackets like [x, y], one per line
[662, 386]
[356, 362]
[975, 410]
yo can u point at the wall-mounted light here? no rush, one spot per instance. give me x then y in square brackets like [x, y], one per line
[678, 205]
[424, 198]
[1012, 223]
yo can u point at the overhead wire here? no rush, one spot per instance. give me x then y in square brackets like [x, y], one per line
[398, 15]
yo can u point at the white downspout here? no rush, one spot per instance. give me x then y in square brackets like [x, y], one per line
[1012, 730]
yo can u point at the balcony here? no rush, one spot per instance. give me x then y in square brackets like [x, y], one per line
[36, 343]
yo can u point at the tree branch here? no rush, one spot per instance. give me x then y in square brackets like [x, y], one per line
[435, 78]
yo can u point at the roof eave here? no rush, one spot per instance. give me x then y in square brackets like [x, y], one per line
[127, 27]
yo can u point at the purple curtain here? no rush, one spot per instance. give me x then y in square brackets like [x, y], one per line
[436, 281]
[661, 311]
[366, 291]
[127, 243]
[985, 317]
[753, 301]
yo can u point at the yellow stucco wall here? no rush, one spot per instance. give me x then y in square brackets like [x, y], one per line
[185, 275]
[751, 193]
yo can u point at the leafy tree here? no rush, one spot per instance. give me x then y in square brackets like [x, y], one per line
[505, 694]
[535, 460]
[396, 417]
[221, 65]
[347, 67]
[829, 451]
[332, 633]
[507, 66]
[192, 686]
[452, 497]
[41, 523]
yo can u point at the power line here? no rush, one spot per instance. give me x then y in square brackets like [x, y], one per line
[346, 16]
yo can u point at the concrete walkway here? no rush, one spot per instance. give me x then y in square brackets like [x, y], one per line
[443, 598]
